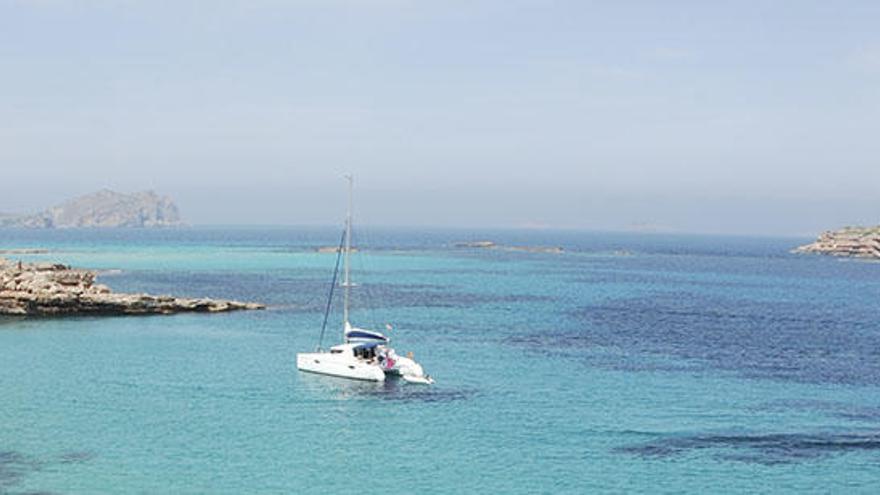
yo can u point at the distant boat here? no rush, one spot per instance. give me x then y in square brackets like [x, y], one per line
[364, 354]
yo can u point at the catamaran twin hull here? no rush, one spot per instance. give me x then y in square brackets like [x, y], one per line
[333, 364]
[362, 361]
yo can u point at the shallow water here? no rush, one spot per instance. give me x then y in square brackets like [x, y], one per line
[628, 363]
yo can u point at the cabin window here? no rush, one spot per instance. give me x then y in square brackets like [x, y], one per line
[335, 351]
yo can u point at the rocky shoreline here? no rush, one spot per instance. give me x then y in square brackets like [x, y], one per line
[51, 289]
[853, 242]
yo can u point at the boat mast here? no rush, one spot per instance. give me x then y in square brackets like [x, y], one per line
[346, 282]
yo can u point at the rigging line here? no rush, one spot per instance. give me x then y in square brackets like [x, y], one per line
[357, 266]
[369, 295]
[332, 287]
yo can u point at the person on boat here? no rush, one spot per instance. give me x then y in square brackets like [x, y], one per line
[390, 359]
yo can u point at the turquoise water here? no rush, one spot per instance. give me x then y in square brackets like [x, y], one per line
[629, 363]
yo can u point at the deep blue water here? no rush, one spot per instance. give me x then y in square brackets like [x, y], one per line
[647, 363]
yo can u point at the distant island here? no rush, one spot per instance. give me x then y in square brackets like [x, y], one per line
[493, 245]
[51, 289]
[855, 242]
[102, 209]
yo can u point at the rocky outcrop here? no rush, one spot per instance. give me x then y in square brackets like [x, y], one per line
[103, 209]
[857, 242]
[332, 249]
[476, 244]
[41, 289]
[493, 245]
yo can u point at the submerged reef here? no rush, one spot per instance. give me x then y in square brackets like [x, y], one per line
[46, 289]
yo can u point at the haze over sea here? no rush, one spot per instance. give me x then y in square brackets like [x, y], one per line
[631, 362]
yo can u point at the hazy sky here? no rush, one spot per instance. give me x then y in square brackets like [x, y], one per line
[740, 117]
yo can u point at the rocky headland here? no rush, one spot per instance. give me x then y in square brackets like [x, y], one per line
[102, 209]
[50, 289]
[855, 242]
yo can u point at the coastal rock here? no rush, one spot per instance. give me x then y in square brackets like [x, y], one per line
[535, 249]
[103, 209]
[525, 249]
[856, 242]
[332, 249]
[40, 289]
[476, 244]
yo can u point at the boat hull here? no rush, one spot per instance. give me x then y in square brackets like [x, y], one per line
[339, 365]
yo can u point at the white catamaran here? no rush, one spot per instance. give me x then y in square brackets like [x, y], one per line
[364, 354]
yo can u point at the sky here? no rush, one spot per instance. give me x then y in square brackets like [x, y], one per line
[746, 117]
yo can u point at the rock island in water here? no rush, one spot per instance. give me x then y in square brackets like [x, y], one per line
[44, 289]
[857, 242]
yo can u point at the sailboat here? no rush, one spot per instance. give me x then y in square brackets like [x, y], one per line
[363, 354]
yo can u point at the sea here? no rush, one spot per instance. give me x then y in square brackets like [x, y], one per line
[627, 363]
